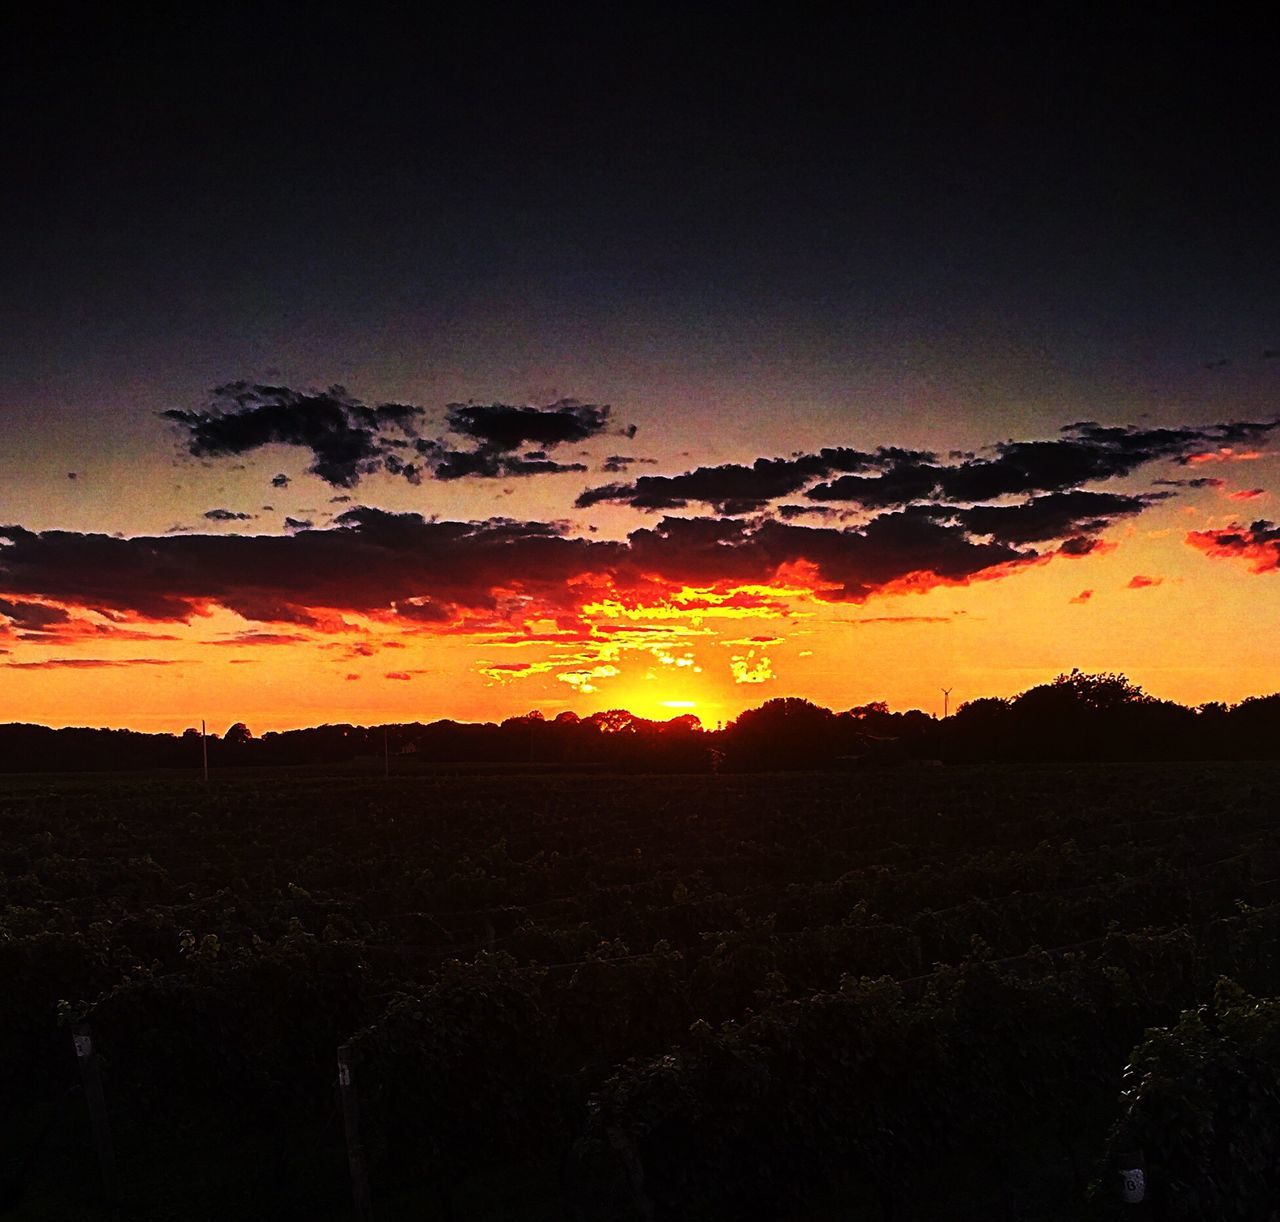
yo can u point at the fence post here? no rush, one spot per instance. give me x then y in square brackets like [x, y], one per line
[355, 1148]
[91, 1078]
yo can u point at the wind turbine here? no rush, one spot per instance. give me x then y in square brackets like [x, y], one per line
[946, 701]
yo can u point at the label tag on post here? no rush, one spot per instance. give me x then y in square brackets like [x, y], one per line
[1133, 1186]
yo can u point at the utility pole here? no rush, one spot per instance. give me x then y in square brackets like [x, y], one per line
[204, 751]
[946, 702]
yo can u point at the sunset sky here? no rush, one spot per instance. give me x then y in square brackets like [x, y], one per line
[354, 371]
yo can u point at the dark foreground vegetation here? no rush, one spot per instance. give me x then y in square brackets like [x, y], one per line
[1077, 717]
[906, 994]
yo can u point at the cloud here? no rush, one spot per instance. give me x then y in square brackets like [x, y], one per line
[587, 681]
[1082, 545]
[900, 619]
[228, 515]
[280, 480]
[892, 477]
[1082, 597]
[732, 488]
[347, 439]
[488, 464]
[1053, 516]
[750, 668]
[1200, 481]
[1222, 454]
[1258, 545]
[32, 616]
[86, 663]
[502, 428]
[500, 574]
[1141, 581]
[1086, 452]
[402, 675]
[1247, 494]
[620, 462]
[262, 638]
[298, 523]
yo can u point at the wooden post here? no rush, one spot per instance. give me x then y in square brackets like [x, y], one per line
[204, 751]
[91, 1079]
[355, 1148]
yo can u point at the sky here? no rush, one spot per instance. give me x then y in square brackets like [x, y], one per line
[365, 367]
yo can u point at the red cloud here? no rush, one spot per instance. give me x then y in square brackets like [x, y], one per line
[87, 663]
[1258, 545]
[1247, 494]
[262, 638]
[1141, 581]
[1082, 597]
[901, 619]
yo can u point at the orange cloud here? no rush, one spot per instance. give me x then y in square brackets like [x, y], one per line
[1223, 454]
[1082, 597]
[1141, 582]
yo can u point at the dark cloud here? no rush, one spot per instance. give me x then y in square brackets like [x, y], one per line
[1081, 545]
[298, 523]
[502, 428]
[789, 513]
[731, 489]
[620, 462]
[1055, 516]
[488, 464]
[228, 515]
[892, 477]
[347, 438]
[1086, 453]
[280, 480]
[29, 616]
[904, 550]
[1200, 481]
[477, 576]
[1258, 544]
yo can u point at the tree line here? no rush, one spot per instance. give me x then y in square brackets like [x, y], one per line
[1077, 717]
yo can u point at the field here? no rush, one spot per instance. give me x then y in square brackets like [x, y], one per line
[906, 994]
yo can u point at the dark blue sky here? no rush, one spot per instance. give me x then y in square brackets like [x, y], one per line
[229, 190]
